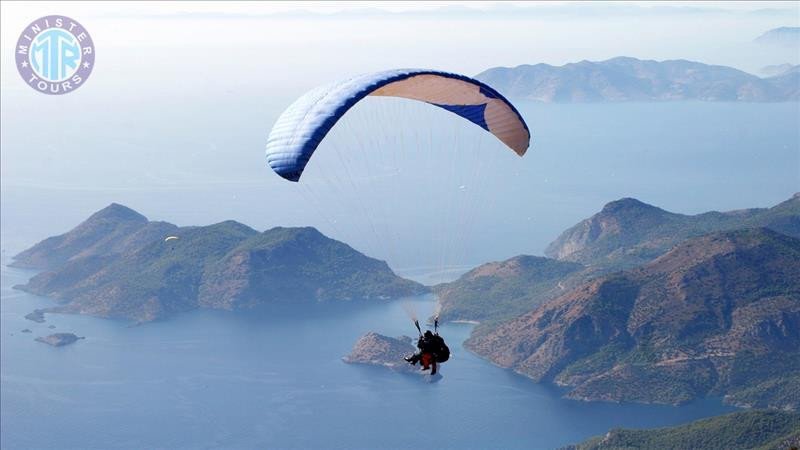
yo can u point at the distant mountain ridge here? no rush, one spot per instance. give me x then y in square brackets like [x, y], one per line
[716, 315]
[625, 79]
[118, 264]
[788, 37]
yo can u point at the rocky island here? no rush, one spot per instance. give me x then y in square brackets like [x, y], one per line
[378, 350]
[118, 264]
[37, 315]
[59, 339]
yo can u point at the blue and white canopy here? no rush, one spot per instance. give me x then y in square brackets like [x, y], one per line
[301, 128]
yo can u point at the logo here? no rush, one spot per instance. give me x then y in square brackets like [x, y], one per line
[55, 55]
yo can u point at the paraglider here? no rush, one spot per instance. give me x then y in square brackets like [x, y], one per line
[432, 349]
[171, 240]
[303, 126]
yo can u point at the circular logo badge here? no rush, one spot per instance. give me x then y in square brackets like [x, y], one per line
[55, 55]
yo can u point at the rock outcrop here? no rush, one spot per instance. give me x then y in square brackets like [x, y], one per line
[59, 339]
[36, 316]
[377, 350]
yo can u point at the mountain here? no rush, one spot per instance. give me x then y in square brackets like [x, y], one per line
[625, 234]
[500, 290]
[756, 430]
[787, 37]
[628, 232]
[788, 82]
[629, 79]
[297, 264]
[110, 269]
[716, 315]
[113, 229]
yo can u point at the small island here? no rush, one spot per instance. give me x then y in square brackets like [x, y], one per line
[26, 330]
[37, 315]
[59, 339]
[375, 349]
[378, 350]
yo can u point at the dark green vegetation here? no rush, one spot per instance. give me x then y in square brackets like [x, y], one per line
[717, 315]
[756, 430]
[297, 264]
[501, 290]
[117, 264]
[629, 79]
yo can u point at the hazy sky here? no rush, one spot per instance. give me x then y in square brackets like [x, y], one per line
[317, 40]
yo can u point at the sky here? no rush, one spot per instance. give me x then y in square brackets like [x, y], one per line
[326, 40]
[184, 94]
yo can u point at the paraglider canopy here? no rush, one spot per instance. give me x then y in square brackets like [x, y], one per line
[302, 127]
[170, 238]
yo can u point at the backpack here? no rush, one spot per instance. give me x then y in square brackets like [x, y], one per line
[442, 351]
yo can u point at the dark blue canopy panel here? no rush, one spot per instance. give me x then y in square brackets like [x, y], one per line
[301, 128]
